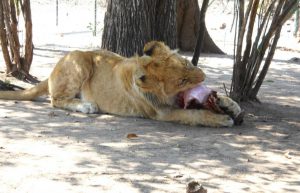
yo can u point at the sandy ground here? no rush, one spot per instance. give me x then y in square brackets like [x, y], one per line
[50, 150]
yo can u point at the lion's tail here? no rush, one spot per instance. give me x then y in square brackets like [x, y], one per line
[28, 94]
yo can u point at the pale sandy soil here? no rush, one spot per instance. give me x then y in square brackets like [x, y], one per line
[50, 150]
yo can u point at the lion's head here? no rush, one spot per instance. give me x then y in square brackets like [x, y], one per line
[165, 73]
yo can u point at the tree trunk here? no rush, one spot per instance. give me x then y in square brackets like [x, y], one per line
[28, 39]
[297, 24]
[188, 28]
[128, 25]
[12, 33]
[17, 65]
[4, 41]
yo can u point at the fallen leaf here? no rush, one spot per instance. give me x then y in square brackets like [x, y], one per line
[131, 135]
[178, 176]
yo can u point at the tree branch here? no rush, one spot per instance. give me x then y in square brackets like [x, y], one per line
[201, 33]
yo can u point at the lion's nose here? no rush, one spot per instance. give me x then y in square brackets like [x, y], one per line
[201, 75]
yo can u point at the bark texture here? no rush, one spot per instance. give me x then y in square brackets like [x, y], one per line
[188, 27]
[4, 40]
[128, 25]
[188, 24]
[28, 39]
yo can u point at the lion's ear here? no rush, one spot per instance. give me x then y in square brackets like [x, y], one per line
[155, 48]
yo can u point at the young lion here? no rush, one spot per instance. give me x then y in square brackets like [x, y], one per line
[144, 86]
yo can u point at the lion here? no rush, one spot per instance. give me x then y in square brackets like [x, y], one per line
[141, 86]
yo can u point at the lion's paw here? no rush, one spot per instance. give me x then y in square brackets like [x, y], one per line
[87, 107]
[229, 106]
[226, 121]
[219, 120]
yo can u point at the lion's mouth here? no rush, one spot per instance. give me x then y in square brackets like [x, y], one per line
[202, 97]
[199, 97]
[193, 97]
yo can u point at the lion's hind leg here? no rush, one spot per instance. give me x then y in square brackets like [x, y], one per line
[63, 90]
[67, 100]
[75, 104]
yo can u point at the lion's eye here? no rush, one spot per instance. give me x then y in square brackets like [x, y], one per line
[184, 81]
[143, 78]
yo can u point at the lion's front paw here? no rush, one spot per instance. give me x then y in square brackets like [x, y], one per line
[225, 121]
[87, 108]
[229, 105]
[218, 120]
[232, 108]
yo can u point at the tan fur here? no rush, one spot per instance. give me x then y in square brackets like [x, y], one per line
[143, 86]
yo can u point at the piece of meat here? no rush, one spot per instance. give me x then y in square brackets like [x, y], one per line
[199, 97]
[212, 103]
[199, 93]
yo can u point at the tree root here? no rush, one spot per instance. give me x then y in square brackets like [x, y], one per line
[24, 76]
[8, 86]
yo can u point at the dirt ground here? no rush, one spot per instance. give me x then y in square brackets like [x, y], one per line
[43, 149]
[50, 150]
